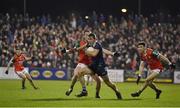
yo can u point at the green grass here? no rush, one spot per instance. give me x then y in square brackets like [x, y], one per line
[52, 94]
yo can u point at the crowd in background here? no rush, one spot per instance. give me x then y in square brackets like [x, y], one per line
[43, 36]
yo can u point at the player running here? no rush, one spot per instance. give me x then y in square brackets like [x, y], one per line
[18, 59]
[154, 60]
[83, 62]
[98, 65]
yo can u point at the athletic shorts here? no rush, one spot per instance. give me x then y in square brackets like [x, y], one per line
[79, 66]
[24, 71]
[154, 71]
[100, 71]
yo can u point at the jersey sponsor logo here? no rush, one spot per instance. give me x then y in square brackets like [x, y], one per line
[60, 74]
[34, 73]
[47, 74]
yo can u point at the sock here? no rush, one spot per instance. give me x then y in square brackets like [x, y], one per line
[84, 89]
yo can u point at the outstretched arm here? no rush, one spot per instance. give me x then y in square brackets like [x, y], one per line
[163, 59]
[110, 52]
[8, 66]
[141, 68]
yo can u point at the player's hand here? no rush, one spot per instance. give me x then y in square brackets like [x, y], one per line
[32, 58]
[116, 54]
[63, 50]
[73, 49]
[172, 66]
[138, 79]
[6, 72]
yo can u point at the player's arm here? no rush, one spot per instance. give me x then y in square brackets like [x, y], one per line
[8, 66]
[141, 68]
[76, 48]
[163, 59]
[81, 47]
[27, 58]
[110, 52]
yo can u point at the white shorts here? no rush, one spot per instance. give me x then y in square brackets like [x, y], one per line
[154, 71]
[81, 65]
[23, 72]
[80, 69]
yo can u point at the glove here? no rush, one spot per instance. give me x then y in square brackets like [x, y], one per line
[116, 54]
[33, 58]
[63, 50]
[172, 66]
[138, 79]
[6, 72]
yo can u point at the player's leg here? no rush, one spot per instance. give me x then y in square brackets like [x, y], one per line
[28, 76]
[148, 80]
[98, 84]
[89, 80]
[84, 70]
[111, 85]
[74, 80]
[153, 86]
[23, 77]
[157, 90]
[77, 75]
[84, 91]
[23, 83]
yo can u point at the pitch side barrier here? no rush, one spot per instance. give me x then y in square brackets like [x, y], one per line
[115, 75]
[37, 73]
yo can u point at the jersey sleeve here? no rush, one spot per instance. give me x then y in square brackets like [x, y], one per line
[77, 44]
[155, 53]
[97, 46]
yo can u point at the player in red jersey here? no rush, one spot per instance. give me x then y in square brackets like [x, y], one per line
[154, 60]
[82, 68]
[18, 59]
[83, 62]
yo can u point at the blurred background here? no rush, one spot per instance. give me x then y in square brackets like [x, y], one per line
[42, 26]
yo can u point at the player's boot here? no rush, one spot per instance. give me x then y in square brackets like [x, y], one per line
[69, 92]
[83, 93]
[158, 93]
[97, 95]
[36, 88]
[135, 94]
[118, 94]
[23, 88]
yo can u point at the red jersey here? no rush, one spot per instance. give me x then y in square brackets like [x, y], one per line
[18, 62]
[83, 58]
[152, 61]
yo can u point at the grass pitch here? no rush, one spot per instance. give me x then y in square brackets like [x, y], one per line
[52, 94]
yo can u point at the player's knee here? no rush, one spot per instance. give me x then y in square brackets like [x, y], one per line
[148, 81]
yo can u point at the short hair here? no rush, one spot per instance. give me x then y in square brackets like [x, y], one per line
[92, 35]
[142, 43]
